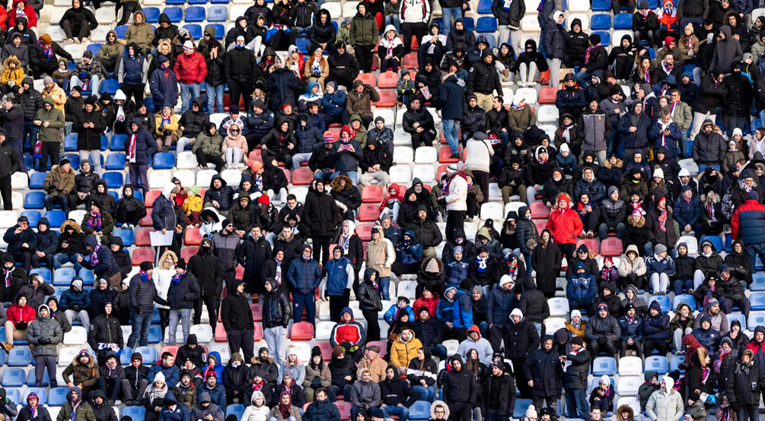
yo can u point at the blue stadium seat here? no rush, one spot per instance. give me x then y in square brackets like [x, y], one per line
[87, 277]
[114, 194]
[741, 319]
[155, 334]
[657, 363]
[57, 396]
[198, 2]
[14, 377]
[113, 179]
[44, 272]
[236, 410]
[653, 4]
[152, 14]
[155, 317]
[127, 236]
[134, 412]
[756, 318]
[600, 22]
[115, 162]
[219, 2]
[33, 216]
[34, 200]
[419, 411]
[175, 2]
[217, 14]
[195, 14]
[758, 282]
[164, 161]
[757, 301]
[74, 159]
[14, 394]
[486, 24]
[715, 240]
[652, 53]
[125, 355]
[484, 7]
[623, 21]
[663, 302]
[36, 180]
[604, 366]
[605, 38]
[19, 356]
[684, 298]
[118, 142]
[521, 405]
[601, 5]
[469, 23]
[56, 218]
[70, 142]
[29, 161]
[104, 143]
[218, 27]
[121, 30]
[31, 379]
[302, 45]
[674, 363]
[138, 195]
[491, 39]
[110, 86]
[149, 354]
[41, 393]
[440, 22]
[63, 277]
[94, 48]
[194, 29]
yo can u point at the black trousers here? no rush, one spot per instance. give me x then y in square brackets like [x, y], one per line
[211, 301]
[521, 382]
[482, 179]
[32, 260]
[425, 137]
[69, 29]
[454, 219]
[337, 303]
[128, 8]
[373, 328]
[244, 339]
[136, 91]
[203, 159]
[568, 251]
[637, 346]
[125, 216]
[347, 82]
[658, 344]
[496, 334]
[365, 54]
[237, 88]
[321, 248]
[460, 411]
[608, 348]
[419, 29]
[5, 192]
[52, 150]
[552, 403]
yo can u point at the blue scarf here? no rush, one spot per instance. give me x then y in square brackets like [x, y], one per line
[144, 276]
[177, 277]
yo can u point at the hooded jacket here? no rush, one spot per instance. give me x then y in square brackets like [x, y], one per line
[44, 328]
[727, 51]
[606, 327]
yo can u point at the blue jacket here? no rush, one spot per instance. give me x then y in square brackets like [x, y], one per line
[334, 104]
[445, 309]
[581, 287]
[164, 89]
[709, 338]
[412, 253]
[665, 265]
[631, 330]
[259, 124]
[145, 146]
[106, 266]
[392, 313]
[595, 190]
[450, 99]
[337, 277]
[317, 120]
[567, 163]
[687, 213]
[463, 310]
[638, 139]
[133, 68]
[217, 395]
[180, 413]
[322, 411]
[308, 138]
[218, 369]
[456, 271]
[499, 305]
[70, 299]
[675, 136]
[656, 327]
[172, 374]
[163, 213]
[570, 98]
[304, 276]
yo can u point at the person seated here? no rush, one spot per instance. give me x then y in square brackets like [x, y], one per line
[75, 302]
[608, 296]
[346, 195]
[603, 396]
[602, 332]
[219, 195]
[396, 393]
[110, 380]
[84, 185]
[18, 317]
[733, 291]
[581, 288]
[364, 394]
[632, 268]
[47, 243]
[166, 367]
[82, 372]
[348, 334]
[98, 221]
[656, 329]
[129, 210]
[235, 379]
[706, 335]
[631, 325]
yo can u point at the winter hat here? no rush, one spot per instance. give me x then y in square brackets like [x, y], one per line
[564, 148]
[737, 131]
[181, 264]
[608, 259]
[147, 266]
[659, 173]
[531, 412]
[516, 312]
[188, 46]
[159, 377]
[83, 353]
[660, 248]
[77, 283]
[377, 413]
[505, 279]
[575, 313]
[577, 340]
[605, 379]
[47, 80]
[432, 266]
[595, 39]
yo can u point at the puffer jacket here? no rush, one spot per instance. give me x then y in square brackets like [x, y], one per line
[86, 375]
[190, 68]
[656, 327]
[603, 326]
[31, 100]
[44, 328]
[276, 307]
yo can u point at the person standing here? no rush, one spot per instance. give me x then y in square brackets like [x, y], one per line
[555, 46]
[206, 267]
[750, 215]
[10, 162]
[183, 292]
[340, 275]
[565, 225]
[414, 15]
[276, 318]
[454, 199]
[509, 15]
[140, 146]
[460, 391]
[304, 276]
[479, 153]
[226, 248]
[544, 369]
[89, 124]
[191, 69]
[451, 104]
[143, 294]
[744, 386]
[50, 123]
[575, 378]
[236, 316]
[322, 217]
[364, 36]
[44, 334]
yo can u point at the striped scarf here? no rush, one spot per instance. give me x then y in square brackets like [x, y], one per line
[47, 51]
[95, 221]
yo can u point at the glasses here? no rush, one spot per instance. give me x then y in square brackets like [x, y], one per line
[207, 35]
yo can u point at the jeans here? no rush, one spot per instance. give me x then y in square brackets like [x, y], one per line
[401, 411]
[141, 324]
[493, 415]
[214, 98]
[385, 287]
[576, 403]
[43, 362]
[426, 393]
[188, 93]
[395, 21]
[185, 317]
[677, 337]
[298, 158]
[451, 133]
[307, 302]
[112, 383]
[81, 315]
[94, 83]
[50, 201]
[276, 340]
[353, 175]
[447, 13]
[30, 131]
[61, 258]
[681, 285]
[95, 159]
[748, 412]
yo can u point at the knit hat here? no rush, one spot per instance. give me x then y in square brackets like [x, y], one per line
[77, 283]
[531, 412]
[595, 39]
[575, 313]
[605, 379]
[660, 248]
[83, 353]
[577, 340]
[65, 161]
[181, 264]
[432, 266]
[159, 377]
[147, 266]
[47, 80]
[658, 173]
[374, 348]
[188, 46]
[264, 199]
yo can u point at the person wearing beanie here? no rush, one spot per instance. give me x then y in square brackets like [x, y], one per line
[575, 378]
[143, 294]
[135, 382]
[365, 393]
[460, 391]
[191, 69]
[498, 398]
[236, 316]
[660, 267]
[183, 292]
[602, 332]
[44, 334]
[75, 302]
[317, 375]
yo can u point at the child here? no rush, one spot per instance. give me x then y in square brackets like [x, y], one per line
[382, 134]
[166, 123]
[569, 134]
[12, 74]
[344, 35]
[506, 63]
[565, 160]
[636, 204]
[609, 273]
[474, 197]
[682, 280]
[391, 204]
[457, 269]
[733, 154]
[603, 396]
[390, 50]
[405, 88]
[192, 206]
[62, 74]
[392, 315]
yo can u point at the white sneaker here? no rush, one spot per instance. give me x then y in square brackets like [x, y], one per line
[76, 41]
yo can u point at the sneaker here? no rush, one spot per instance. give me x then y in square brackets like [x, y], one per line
[77, 41]
[455, 156]
[118, 402]
[590, 234]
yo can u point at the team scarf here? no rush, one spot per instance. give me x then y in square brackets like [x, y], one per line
[95, 221]
[258, 386]
[144, 276]
[344, 241]
[663, 220]
[94, 257]
[482, 263]
[718, 360]
[278, 275]
[587, 53]
[316, 65]
[672, 106]
[647, 74]
[711, 211]
[705, 375]
[177, 277]
[33, 409]
[47, 51]
[645, 12]
[448, 182]
[8, 275]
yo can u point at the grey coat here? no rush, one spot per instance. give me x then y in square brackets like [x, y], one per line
[596, 128]
[44, 328]
[727, 52]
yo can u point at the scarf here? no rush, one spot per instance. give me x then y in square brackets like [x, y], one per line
[647, 75]
[541, 161]
[131, 148]
[165, 120]
[75, 405]
[144, 276]
[663, 220]
[645, 12]
[152, 393]
[747, 188]
[47, 51]
[94, 257]
[33, 410]
[566, 135]
[518, 107]
[631, 320]
[258, 386]
[705, 375]
[284, 410]
[95, 221]
[482, 263]
[316, 65]
[278, 275]
[344, 241]
[177, 277]
[258, 181]
[711, 211]
[8, 274]
[587, 53]
[448, 182]
[707, 255]
[667, 67]
[672, 108]
[110, 366]
[718, 360]
[21, 13]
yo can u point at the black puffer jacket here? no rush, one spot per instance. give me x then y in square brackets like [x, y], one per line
[85, 182]
[739, 390]
[577, 42]
[555, 40]
[105, 330]
[544, 368]
[521, 339]
[282, 82]
[276, 307]
[240, 65]
[90, 138]
[183, 294]
[205, 266]
[533, 303]
[427, 232]
[194, 122]
[368, 297]
[483, 78]
[31, 100]
[320, 33]
[321, 211]
[576, 374]
[171, 32]
[236, 313]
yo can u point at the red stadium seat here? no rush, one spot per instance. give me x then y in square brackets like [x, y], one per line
[326, 350]
[146, 220]
[173, 349]
[372, 194]
[611, 247]
[239, 272]
[444, 156]
[302, 331]
[382, 345]
[258, 332]
[302, 176]
[547, 95]
[256, 155]
[142, 255]
[192, 237]
[410, 60]
[364, 231]
[387, 80]
[286, 174]
[591, 244]
[150, 196]
[540, 224]
[220, 333]
[369, 213]
[257, 311]
[387, 99]
[367, 78]
[188, 252]
[539, 211]
[142, 238]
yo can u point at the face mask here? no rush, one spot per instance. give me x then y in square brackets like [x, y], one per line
[528, 217]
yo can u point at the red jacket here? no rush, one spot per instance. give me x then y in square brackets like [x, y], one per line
[190, 69]
[392, 198]
[17, 314]
[4, 18]
[564, 225]
[431, 304]
[352, 332]
[28, 10]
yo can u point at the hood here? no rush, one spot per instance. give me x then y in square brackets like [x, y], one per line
[655, 306]
[91, 241]
[216, 355]
[368, 274]
[441, 404]
[632, 248]
[705, 242]
[217, 177]
[625, 409]
[575, 22]
[163, 18]
[410, 233]
[11, 59]
[726, 31]
[68, 223]
[389, 28]
[167, 189]
[255, 395]
[205, 397]
[74, 389]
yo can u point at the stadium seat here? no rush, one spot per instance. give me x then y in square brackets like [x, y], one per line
[19, 356]
[34, 200]
[426, 173]
[344, 408]
[57, 396]
[32, 380]
[657, 363]
[302, 331]
[194, 29]
[372, 194]
[387, 80]
[444, 156]
[302, 45]
[604, 366]
[410, 60]
[236, 410]
[127, 236]
[135, 412]
[740, 318]
[492, 210]
[758, 282]
[368, 78]
[368, 212]
[691, 242]
[419, 411]
[63, 277]
[37, 180]
[115, 162]
[547, 114]
[232, 177]
[141, 255]
[70, 143]
[143, 237]
[192, 238]
[600, 22]
[629, 366]
[155, 334]
[174, 13]
[530, 94]
[14, 377]
[689, 165]
[597, 6]
[400, 174]
[629, 385]
[469, 23]
[757, 301]
[77, 336]
[663, 302]
[521, 405]
[45, 273]
[8, 218]
[188, 252]
[605, 38]
[622, 21]
[152, 14]
[163, 161]
[715, 240]
[558, 307]
[387, 100]
[364, 231]
[302, 176]
[219, 28]
[539, 210]
[484, 7]
[487, 24]
[113, 179]
[110, 86]
[612, 247]
[547, 95]
[684, 298]
[87, 276]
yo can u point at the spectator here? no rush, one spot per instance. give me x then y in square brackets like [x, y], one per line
[543, 371]
[419, 123]
[237, 320]
[143, 294]
[75, 302]
[21, 239]
[133, 69]
[365, 394]
[110, 382]
[45, 334]
[660, 268]
[75, 406]
[25, 413]
[602, 332]
[191, 69]
[459, 390]
[84, 374]
[135, 383]
[163, 84]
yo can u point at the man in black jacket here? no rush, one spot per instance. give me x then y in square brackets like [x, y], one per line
[544, 369]
[254, 252]
[595, 62]
[419, 123]
[181, 295]
[483, 80]
[105, 330]
[236, 316]
[191, 351]
[240, 69]
[84, 185]
[10, 162]
[396, 394]
[427, 232]
[143, 294]
[499, 393]
[460, 391]
[430, 332]
[575, 378]
[343, 67]
[47, 243]
[276, 318]
[521, 341]
[13, 125]
[744, 387]
[135, 383]
[206, 267]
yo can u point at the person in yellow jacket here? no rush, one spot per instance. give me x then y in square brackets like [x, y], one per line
[404, 350]
[54, 92]
[192, 206]
[12, 74]
[167, 128]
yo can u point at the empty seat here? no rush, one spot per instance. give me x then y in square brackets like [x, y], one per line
[612, 247]
[491, 210]
[163, 161]
[115, 161]
[758, 282]
[57, 395]
[195, 29]
[604, 366]
[14, 377]
[110, 86]
[174, 13]
[622, 21]
[426, 173]
[113, 179]
[539, 210]
[548, 95]
[368, 212]
[657, 363]
[387, 80]
[547, 114]
[34, 200]
[629, 366]
[232, 177]
[134, 412]
[19, 181]
[597, 6]
[217, 14]
[424, 155]
[629, 385]
[684, 298]
[445, 156]
[486, 24]
[142, 255]
[600, 22]
[401, 174]
[302, 331]
[152, 14]
[521, 405]
[372, 194]
[19, 356]
[77, 336]
[558, 307]
[302, 176]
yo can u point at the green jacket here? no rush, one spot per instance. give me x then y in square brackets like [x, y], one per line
[84, 412]
[141, 34]
[364, 30]
[210, 145]
[110, 51]
[58, 184]
[107, 224]
[55, 119]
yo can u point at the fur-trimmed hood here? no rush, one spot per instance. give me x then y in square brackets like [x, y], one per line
[70, 222]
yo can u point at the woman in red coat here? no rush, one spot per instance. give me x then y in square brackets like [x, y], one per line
[565, 225]
[19, 316]
[22, 9]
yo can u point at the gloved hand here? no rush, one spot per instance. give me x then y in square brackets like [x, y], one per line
[11, 83]
[602, 340]
[76, 308]
[44, 341]
[137, 310]
[167, 132]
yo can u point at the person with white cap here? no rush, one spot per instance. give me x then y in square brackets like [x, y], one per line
[665, 404]
[191, 69]
[454, 199]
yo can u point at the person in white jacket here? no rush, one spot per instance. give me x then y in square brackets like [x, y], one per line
[455, 199]
[478, 153]
[414, 15]
[665, 404]
[258, 411]
[162, 276]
